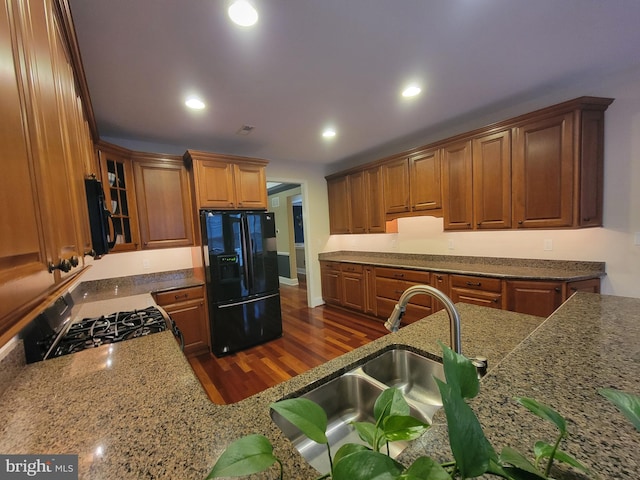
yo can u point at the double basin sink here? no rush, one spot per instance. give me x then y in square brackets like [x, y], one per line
[351, 396]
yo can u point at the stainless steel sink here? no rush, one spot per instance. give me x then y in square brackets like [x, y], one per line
[351, 397]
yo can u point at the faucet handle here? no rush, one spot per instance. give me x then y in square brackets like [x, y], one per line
[481, 364]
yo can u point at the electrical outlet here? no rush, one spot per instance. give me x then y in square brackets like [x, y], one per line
[450, 245]
[146, 264]
[547, 244]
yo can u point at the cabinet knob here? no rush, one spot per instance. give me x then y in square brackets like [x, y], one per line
[74, 261]
[495, 300]
[90, 253]
[557, 289]
[586, 219]
[520, 222]
[62, 265]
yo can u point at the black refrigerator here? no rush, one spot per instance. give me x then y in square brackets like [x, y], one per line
[241, 264]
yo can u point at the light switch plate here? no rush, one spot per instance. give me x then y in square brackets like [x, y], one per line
[548, 244]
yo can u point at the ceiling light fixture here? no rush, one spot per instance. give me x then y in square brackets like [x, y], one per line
[194, 103]
[242, 13]
[411, 91]
[329, 133]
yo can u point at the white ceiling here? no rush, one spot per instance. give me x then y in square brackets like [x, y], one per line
[308, 64]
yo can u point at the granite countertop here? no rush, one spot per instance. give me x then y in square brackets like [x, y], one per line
[506, 268]
[135, 409]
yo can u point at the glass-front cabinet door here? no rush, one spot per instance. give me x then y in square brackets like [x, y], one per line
[118, 185]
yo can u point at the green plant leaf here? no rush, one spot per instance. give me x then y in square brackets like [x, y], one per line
[247, 455]
[513, 457]
[545, 412]
[425, 468]
[627, 403]
[544, 450]
[469, 446]
[370, 434]
[403, 428]
[348, 449]
[390, 402]
[460, 372]
[308, 416]
[366, 465]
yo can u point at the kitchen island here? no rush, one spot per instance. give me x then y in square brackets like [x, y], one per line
[135, 409]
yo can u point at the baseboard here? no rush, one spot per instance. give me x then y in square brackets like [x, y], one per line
[288, 281]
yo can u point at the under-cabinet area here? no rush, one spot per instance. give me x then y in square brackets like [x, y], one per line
[371, 283]
[544, 169]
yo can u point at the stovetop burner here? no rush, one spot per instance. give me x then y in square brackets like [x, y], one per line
[52, 335]
[93, 332]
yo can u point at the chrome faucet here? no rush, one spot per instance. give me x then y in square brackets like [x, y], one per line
[393, 323]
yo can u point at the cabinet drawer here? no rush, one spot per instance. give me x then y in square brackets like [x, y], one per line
[180, 295]
[330, 265]
[392, 289]
[476, 283]
[351, 268]
[415, 276]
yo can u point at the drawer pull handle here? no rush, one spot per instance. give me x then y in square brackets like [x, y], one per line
[495, 300]
[398, 275]
[184, 295]
[474, 284]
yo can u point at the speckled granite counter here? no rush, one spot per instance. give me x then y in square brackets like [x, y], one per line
[513, 268]
[135, 409]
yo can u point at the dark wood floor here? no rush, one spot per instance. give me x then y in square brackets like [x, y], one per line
[311, 337]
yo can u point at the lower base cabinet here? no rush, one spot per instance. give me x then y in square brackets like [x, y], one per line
[188, 310]
[375, 291]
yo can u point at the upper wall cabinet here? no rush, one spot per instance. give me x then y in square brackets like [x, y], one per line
[356, 202]
[540, 170]
[227, 181]
[119, 189]
[164, 201]
[558, 166]
[44, 140]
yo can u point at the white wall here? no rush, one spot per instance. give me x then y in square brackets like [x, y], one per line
[613, 244]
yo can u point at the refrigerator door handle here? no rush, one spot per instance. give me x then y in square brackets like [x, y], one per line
[246, 253]
[253, 300]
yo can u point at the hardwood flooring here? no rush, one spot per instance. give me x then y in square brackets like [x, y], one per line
[311, 336]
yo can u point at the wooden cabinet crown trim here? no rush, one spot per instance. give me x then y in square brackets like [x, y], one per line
[191, 155]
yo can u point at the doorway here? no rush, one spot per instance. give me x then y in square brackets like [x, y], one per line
[285, 199]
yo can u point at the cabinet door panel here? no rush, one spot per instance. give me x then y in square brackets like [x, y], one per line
[353, 291]
[375, 200]
[191, 319]
[164, 207]
[396, 186]
[457, 205]
[250, 186]
[425, 181]
[534, 298]
[23, 265]
[358, 202]
[339, 205]
[215, 184]
[543, 169]
[492, 180]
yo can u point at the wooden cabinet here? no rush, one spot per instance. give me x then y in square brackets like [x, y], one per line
[491, 165]
[331, 277]
[187, 308]
[369, 275]
[591, 285]
[391, 284]
[412, 183]
[424, 180]
[118, 184]
[353, 287]
[339, 205]
[356, 202]
[558, 166]
[534, 297]
[457, 186]
[163, 198]
[482, 291]
[227, 181]
[441, 282]
[43, 138]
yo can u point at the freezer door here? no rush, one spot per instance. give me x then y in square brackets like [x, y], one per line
[262, 252]
[239, 325]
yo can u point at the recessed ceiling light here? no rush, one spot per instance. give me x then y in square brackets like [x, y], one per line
[411, 91]
[194, 103]
[329, 133]
[242, 13]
